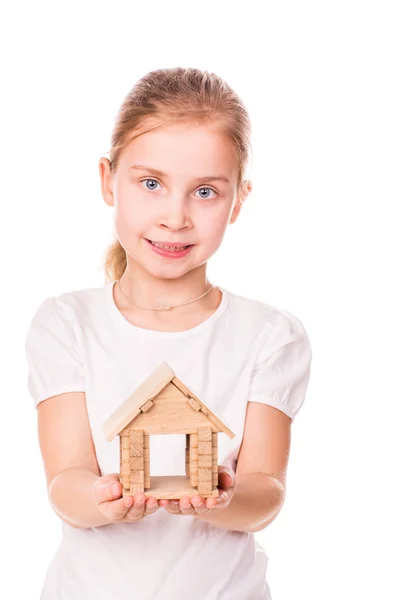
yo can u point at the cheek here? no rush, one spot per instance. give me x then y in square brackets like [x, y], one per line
[212, 226]
[129, 216]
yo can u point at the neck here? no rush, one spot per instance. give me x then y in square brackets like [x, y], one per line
[148, 291]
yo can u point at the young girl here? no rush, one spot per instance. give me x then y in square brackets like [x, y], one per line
[175, 178]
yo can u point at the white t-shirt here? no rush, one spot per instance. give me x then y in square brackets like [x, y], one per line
[245, 351]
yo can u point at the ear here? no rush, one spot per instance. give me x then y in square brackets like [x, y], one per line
[243, 192]
[106, 179]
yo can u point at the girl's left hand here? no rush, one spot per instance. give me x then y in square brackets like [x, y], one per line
[192, 505]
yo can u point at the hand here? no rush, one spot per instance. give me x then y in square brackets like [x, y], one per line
[192, 505]
[121, 509]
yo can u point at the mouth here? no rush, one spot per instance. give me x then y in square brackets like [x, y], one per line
[169, 247]
[174, 252]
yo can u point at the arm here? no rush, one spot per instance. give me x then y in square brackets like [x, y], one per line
[69, 459]
[72, 499]
[256, 502]
[260, 472]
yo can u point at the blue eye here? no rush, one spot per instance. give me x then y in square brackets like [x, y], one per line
[148, 179]
[206, 188]
[154, 180]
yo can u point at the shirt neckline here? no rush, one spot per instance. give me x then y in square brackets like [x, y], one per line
[119, 318]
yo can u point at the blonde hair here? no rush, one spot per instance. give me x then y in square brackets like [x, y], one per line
[177, 95]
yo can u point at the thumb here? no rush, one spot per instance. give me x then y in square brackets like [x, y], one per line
[107, 488]
[226, 476]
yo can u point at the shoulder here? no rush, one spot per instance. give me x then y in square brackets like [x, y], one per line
[247, 309]
[66, 315]
[268, 317]
[69, 305]
[273, 326]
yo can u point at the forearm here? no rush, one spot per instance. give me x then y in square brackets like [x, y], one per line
[257, 500]
[71, 496]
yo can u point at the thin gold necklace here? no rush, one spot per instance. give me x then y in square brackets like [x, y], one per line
[167, 306]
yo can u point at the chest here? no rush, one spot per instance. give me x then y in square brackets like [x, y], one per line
[210, 368]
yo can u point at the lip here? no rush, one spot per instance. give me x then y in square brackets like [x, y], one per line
[169, 243]
[169, 253]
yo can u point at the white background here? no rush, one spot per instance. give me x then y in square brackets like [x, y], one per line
[318, 236]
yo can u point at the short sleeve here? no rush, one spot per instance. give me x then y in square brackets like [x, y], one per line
[281, 375]
[54, 365]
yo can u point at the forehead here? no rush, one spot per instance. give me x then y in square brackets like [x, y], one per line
[183, 149]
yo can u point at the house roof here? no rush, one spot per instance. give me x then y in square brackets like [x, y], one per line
[148, 389]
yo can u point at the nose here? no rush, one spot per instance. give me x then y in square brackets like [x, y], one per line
[175, 216]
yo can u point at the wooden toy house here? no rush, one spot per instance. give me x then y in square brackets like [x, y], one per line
[162, 404]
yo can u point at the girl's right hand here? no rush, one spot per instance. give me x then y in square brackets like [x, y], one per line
[120, 509]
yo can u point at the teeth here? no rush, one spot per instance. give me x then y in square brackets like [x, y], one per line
[168, 247]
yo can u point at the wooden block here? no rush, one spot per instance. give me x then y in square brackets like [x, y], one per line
[205, 460]
[181, 386]
[137, 477]
[204, 434]
[125, 454]
[136, 439]
[214, 439]
[193, 440]
[136, 463]
[146, 440]
[145, 407]
[125, 479]
[194, 453]
[136, 436]
[124, 441]
[205, 448]
[187, 461]
[136, 450]
[204, 474]
[204, 487]
[136, 487]
[169, 487]
[194, 404]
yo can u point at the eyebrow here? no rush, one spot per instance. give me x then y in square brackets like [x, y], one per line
[162, 174]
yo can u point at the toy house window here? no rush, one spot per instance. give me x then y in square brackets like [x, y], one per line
[167, 454]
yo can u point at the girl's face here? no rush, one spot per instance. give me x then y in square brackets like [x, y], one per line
[191, 200]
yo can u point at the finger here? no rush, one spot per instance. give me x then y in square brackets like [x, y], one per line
[211, 502]
[173, 507]
[136, 511]
[226, 478]
[151, 505]
[116, 510]
[223, 499]
[202, 505]
[105, 490]
[186, 506]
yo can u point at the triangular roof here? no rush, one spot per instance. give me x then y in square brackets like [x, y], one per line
[148, 389]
